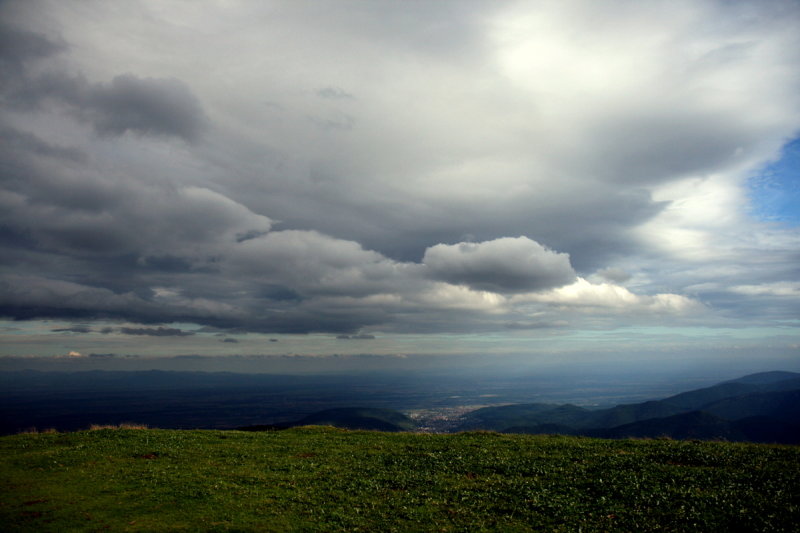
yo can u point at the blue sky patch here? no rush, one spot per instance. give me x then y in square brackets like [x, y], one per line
[775, 190]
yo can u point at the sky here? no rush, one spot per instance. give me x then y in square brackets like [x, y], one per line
[609, 181]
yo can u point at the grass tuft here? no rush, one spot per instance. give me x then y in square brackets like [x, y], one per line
[124, 425]
[35, 431]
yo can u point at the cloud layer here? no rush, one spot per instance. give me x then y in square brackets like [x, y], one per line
[301, 167]
[502, 265]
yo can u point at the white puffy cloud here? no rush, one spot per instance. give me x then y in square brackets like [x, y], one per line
[446, 296]
[589, 297]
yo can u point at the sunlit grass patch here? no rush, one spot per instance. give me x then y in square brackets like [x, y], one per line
[124, 425]
[34, 431]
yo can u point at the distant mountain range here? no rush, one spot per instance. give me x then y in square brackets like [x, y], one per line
[762, 407]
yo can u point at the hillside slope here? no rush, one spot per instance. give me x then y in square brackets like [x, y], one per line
[706, 426]
[767, 378]
[780, 405]
[504, 416]
[359, 418]
[762, 407]
[324, 479]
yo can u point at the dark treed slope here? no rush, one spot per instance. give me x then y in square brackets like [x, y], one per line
[692, 425]
[761, 408]
[766, 378]
[705, 426]
[367, 418]
[698, 398]
[781, 405]
[359, 418]
[500, 418]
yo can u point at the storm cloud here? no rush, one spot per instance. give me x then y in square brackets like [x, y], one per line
[19, 47]
[377, 167]
[156, 332]
[142, 105]
[128, 103]
[503, 265]
[73, 329]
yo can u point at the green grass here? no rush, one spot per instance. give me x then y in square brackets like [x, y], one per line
[322, 479]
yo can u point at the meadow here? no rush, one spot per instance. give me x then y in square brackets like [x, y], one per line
[326, 479]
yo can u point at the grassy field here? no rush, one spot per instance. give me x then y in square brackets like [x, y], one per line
[323, 479]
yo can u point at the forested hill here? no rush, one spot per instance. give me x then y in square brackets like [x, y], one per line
[761, 407]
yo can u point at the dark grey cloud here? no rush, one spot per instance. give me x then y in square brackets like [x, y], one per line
[230, 339]
[502, 265]
[59, 204]
[250, 234]
[156, 332]
[665, 144]
[143, 106]
[159, 106]
[128, 103]
[166, 263]
[19, 48]
[74, 329]
[21, 141]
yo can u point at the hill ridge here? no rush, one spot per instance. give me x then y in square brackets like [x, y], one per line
[770, 400]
